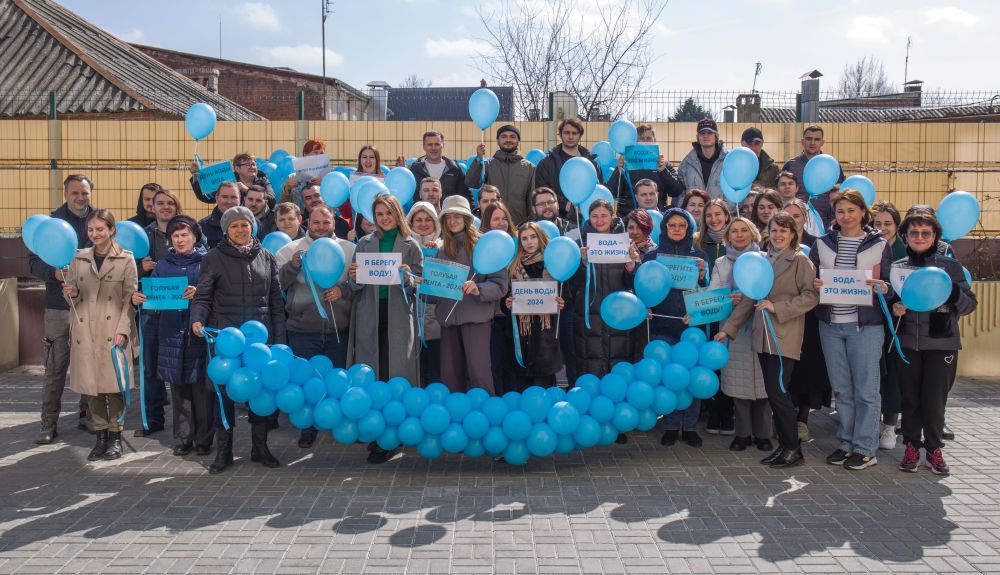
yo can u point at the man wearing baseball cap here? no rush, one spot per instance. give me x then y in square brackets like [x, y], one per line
[767, 173]
[508, 171]
[702, 167]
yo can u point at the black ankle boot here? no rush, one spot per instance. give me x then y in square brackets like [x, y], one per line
[223, 452]
[259, 453]
[114, 445]
[97, 453]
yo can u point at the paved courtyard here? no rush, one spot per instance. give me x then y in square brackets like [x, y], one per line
[635, 508]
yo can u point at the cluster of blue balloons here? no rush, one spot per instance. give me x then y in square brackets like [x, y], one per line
[354, 406]
[739, 170]
[60, 242]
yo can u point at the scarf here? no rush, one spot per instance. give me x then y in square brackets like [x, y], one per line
[645, 246]
[244, 250]
[773, 254]
[519, 273]
[717, 236]
[732, 254]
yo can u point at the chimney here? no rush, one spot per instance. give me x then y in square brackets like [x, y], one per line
[809, 103]
[748, 108]
[482, 83]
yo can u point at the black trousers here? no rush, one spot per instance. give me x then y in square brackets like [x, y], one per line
[771, 366]
[192, 407]
[924, 385]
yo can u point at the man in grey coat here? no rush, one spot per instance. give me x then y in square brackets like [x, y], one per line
[308, 333]
[702, 167]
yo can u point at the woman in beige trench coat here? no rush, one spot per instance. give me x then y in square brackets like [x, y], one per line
[99, 286]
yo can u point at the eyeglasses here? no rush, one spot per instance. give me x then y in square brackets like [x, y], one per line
[542, 204]
[677, 226]
[246, 165]
[919, 235]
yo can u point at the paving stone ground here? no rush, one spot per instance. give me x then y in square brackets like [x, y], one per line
[635, 508]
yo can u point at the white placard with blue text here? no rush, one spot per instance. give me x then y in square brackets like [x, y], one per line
[845, 287]
[607, 248]
[534, 297]
[309, 167]
[378, 268]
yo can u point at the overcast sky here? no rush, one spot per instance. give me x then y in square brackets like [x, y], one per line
[698, 45]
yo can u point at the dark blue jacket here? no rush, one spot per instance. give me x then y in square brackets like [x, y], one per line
[182, 355]
[673, 304]
[53, 288]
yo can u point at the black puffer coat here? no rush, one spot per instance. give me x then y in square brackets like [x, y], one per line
[234, 288]
[540, 349]
[600, 347]
[181, 357]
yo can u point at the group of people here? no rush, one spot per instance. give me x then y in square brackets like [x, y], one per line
[783, 364]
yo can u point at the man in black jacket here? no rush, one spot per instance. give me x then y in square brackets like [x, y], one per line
[547, 174]
[256, 201]
[434, 164]
[76, 191]
[227, 196]
[666, 181]
[144, 214]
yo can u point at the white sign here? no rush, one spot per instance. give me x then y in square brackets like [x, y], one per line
[898, 275]
[309, 167]
[846, 287]
[379, 269]
[534, 297]
[607, 248]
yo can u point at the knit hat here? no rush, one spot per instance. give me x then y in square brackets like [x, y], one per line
[235, 214]
[508, 128]
[184, 221]
[313, 145]
[456, 205]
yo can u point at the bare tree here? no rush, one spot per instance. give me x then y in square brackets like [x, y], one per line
[414, 81]
[542, 46]
[865, 77]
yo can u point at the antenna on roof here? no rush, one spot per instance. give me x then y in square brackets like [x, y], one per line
[756, 72]
[906, 65]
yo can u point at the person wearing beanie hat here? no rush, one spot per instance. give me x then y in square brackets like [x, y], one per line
[508, 171]
[767, 172]
[701, 168]
[227, 196]
[239, 283]
[180, 359]
[547, 175]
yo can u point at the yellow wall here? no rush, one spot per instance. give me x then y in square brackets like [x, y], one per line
[912, 162]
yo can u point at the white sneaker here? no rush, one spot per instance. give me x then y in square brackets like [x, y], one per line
[887, 437]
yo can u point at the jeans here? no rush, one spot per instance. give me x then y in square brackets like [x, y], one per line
[155, 392]
[307, 345]
[852, 355]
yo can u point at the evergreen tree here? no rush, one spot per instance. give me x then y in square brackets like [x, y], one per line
[690, 111]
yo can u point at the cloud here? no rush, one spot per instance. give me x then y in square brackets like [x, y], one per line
[951, 15]
[260, 16]
[468, 78]
[302, 58]
[134, 35]
[870, 29]
[458, 48]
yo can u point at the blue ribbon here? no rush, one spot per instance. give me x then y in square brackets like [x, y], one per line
[586, 296]
[517, 340]
[892, 329]
[209, 333]
[312, 289]
[819, 218]
[123, 386]
[402, 286]
[482, 177]
[777, 348]
[142, 372]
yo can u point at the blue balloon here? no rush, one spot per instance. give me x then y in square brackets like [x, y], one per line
[614, 387]
[230, 342]
[713, 355]
[458, 405]
[263, 403]
[302, 418]
[337, 382]
[361, 375]
[133, 238]
[314, 390]
[577, 179]
[647, 419]
[254, 332]
[276, 156]
[622, 310]
[355, 403]
[562, 258]
[326, 261]
[652, 283]
[704, 383]
[475, 448]
[536, 403]
[327, 414]
[588, 432]
[684, 353]
[542, 440]
[624, 369]
[863, 185]
[493, 252]
[394, 413]
[437, 392]
[958, 213]
[321, 363]
[664, 400]
[753, 275]
[411, 432]
[658, 350]
[609, 433]
[415, 400]
[398, 385]
[59, 245]
[605, 154]
[356, 186]
[28, 229]
[535, 156]
[366, 197]
[495, 409]
[346, 431]
[657, 217]
[200, 120]
[435, 419]
[648, 370]
[565, 444]
[563, 417]
[675, 377]
[600, 193]
[477, 396]
[517, 425]
[602, 409]
[335, 189]
[401, 184]
[640, 394]
[579, 398]
[389, 439]
[282, 353]
[371, 426]
[820, 174]
[454, 438]
[626, 417]
[476, 424]
[484, 107]
[221, 369]
[739, 167]
[464, 166]
[290, 398]
[275, 240]
[926, 289]
[590, 383]
[694, 335]
[267, 167]
[732, 194]
[550, 228]
[275, 374]
[967, 274]
[684, 399]
[516, 453]
[622, 134]
[256, 356]
[495, 441]
[300, 370]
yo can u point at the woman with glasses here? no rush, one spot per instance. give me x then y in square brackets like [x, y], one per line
[247, 174]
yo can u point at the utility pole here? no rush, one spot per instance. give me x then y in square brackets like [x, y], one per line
[325, 9]
[906, 66]
[756, 73]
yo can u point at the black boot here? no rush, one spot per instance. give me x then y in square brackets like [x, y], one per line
[259, 453]
[223, 451]
[114, 445]
[97, 453]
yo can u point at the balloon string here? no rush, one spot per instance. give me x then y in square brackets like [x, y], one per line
[312, 288]
[142, 372]
[72, 303]
[888, 318]
[586, 295]
[666, 316]
[123, 386]
[559, 314]
[777, 348]
[209, 334]
[517, 340]
[402, 286]
[454, 305]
